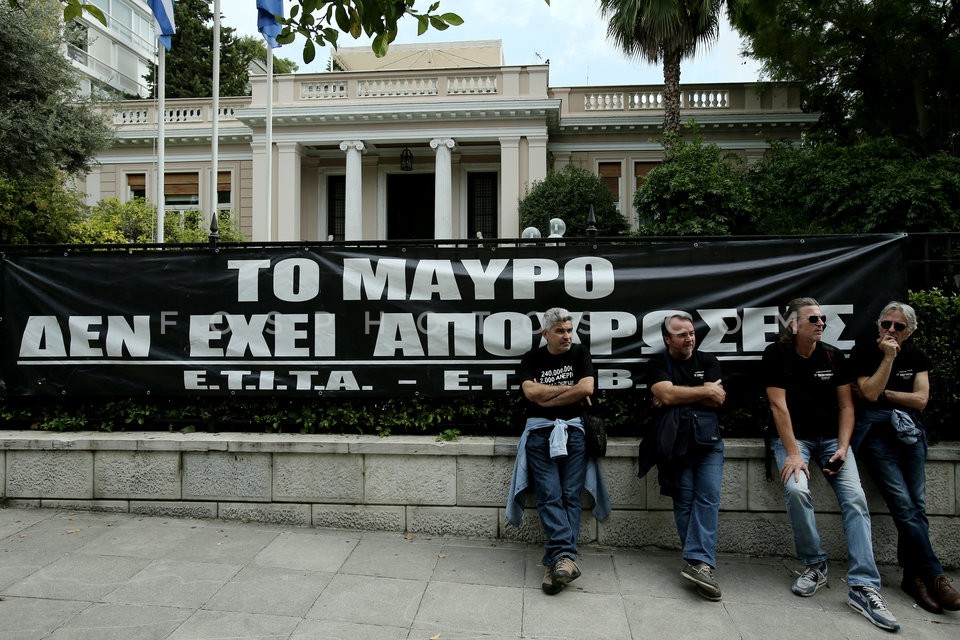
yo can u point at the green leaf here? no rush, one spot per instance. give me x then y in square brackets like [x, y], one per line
[71, 12]
[309, 51]
[96, 12]
[380, 45]
[422, 25]
[343, 22]
[452, 19]
[355, 23]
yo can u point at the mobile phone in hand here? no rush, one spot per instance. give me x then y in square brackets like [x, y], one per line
[834, 466]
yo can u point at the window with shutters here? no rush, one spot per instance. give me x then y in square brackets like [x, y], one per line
[136, 185]
[224, 191]
[641, 169]
[610, 174]
[181, 191]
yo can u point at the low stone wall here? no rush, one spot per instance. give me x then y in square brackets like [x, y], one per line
[413, 483]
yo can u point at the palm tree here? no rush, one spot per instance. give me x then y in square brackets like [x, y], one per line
[663, 30]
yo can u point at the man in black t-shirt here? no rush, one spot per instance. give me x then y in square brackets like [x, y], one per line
[685, 379]
[556, 380]
[893, 385]
[812, 406]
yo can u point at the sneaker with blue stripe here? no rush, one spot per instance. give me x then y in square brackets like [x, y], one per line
[869, 602]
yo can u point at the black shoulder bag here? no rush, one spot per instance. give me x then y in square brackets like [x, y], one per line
[704, 423]
[595, 432]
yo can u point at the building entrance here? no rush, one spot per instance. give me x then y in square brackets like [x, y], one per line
[410, 200]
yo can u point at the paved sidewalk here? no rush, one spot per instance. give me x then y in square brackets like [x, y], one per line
[101, 576]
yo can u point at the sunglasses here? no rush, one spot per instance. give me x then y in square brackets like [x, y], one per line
[886, 324]
[816, 319]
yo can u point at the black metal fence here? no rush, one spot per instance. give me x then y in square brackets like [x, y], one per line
[934, 261]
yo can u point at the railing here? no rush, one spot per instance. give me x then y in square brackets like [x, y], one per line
[104, 72]
[353, 89]
[180, 112]
[462, 85]
[653, 99]
[393, 87]
[347, 86]
[324, 90]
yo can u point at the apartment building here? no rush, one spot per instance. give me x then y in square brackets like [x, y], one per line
[113, 59]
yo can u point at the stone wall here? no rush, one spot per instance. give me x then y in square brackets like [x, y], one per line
[413, 483]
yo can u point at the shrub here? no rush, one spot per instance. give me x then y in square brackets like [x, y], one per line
[938, 334]
[134, 221]
[698, 190]
[876, 186]
[568, 194]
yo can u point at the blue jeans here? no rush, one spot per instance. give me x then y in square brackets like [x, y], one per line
[862, 568]
[898, 470]
[696, 505]
[558, 483]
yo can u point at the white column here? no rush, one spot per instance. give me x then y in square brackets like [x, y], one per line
[443, 188]
[353, 205]
[537, 162]
[288, 191]
[262, 209]
[509, 187]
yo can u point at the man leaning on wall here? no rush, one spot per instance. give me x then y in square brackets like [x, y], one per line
[557, 382]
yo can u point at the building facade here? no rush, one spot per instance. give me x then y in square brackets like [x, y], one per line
[113, 59]
[434, 141]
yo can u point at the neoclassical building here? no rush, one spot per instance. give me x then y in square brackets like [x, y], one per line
[433, 141]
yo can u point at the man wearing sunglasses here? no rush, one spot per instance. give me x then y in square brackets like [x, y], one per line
[810, 399]
[894, 387]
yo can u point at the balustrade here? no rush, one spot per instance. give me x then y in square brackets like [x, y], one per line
[394, 87]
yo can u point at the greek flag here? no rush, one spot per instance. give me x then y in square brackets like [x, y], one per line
[163, 12]
[267, 23]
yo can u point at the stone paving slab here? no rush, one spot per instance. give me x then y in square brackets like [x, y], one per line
[92, 576]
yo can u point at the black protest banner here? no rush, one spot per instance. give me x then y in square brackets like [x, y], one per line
[407, 320]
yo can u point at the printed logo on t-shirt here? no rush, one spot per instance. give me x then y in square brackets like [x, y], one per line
[560, 376]
[699, 374]
[905, 376]
[824, 375]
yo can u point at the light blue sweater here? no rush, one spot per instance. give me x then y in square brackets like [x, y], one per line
[519, 483]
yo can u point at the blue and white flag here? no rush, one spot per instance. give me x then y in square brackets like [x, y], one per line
[163, 12]
[267, 23]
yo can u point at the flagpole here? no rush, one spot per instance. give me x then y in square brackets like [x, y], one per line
[269, 26]
[215, 134]
[269, 144]
[161, 139]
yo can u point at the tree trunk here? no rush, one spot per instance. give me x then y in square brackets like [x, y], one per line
[671, 91]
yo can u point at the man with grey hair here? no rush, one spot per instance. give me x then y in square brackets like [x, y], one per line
[557, 380]
[893, 388]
